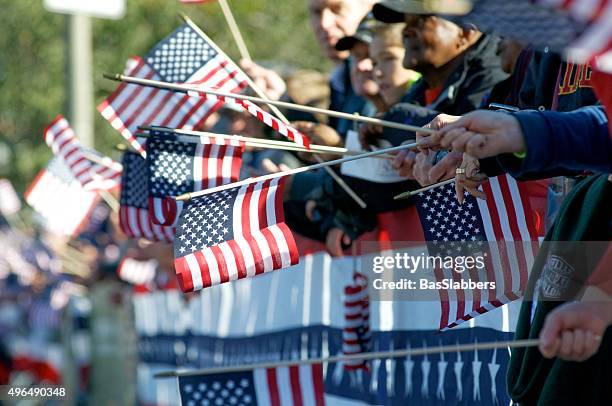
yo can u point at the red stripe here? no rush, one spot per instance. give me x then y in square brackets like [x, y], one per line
[273, 387]
[257, 256]
[296, 390]
[222, 150]
[240, 264]
[117, 112]
[246, 218]
[236, 162]
[277, 261]
[204, 269]
[158, 108]
[516, 233]
[261, 205]
[123, 223]
[221, 264]
[183, 275]
[294, 253]
[134, 72]
[499, 236]
[137, 113]
[444, 304]
[278, 201]
[178, 105]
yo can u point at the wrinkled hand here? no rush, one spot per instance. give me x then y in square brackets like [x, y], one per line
[573, 331]
[470, 180]
[481, 134]
[369, 135]
[404, 163]
[440, 121]
[266, 79]
[334, 241]
[426, 173]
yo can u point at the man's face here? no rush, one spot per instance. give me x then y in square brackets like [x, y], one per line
[362, 71]
[334, 19]
[430, 42]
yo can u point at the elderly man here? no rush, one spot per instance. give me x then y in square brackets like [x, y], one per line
[459, 67]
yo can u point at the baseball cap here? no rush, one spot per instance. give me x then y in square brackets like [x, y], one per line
[363, 34]
[392, 11]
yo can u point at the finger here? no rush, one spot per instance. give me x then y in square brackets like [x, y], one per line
[449, 136]
[591, 343]
[459, 188]
[474, 191]
[407, 169]
[567, 343]
[458, 144]
[444, 169]
[399, 159]
[476, 146]
[550, 335]
[310, 206]
[578, 344]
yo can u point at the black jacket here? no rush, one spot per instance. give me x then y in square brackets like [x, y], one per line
[469, 84]
[464, 91]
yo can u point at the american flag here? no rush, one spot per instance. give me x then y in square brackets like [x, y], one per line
[277, 125]
[59, 198]
[134, 218]
[356, 333]
[503, 220]
[233, 234]
[9, 201]
[280, 386]
[182, 57]
[137, 272]
[60, 137]
[177, 167]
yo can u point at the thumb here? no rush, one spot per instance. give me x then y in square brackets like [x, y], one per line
[550, 334]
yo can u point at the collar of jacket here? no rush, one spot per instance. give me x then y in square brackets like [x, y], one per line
[474, 60]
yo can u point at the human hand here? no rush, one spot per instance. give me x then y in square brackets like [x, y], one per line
[267, 80]
[573, 331]
[481, 134]
[426, 173]
[440, 121]
[335, 240]
[468, 177]
[369, 135]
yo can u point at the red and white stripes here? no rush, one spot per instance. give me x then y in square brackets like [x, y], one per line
[262, 241]
[356, 333]
[60, 137]
[513, 244]
[288, 386]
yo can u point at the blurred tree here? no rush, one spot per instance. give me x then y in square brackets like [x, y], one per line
[33, 61]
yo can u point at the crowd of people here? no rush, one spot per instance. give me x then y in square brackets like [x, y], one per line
[496, 105]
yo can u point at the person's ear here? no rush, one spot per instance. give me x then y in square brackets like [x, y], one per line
[469, 32]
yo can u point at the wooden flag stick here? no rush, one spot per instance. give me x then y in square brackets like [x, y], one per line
[188, 196]
[291, 106]
[275, 110]
[412, 352]
[231, 22]
[423, 189]
[104, 161]
[258, 142]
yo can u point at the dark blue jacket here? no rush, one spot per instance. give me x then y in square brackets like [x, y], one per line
[562, 143]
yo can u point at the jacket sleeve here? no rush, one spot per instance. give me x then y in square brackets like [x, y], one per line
[562, 143]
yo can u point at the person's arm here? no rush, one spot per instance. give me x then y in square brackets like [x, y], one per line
[535, 144]
[557, 142]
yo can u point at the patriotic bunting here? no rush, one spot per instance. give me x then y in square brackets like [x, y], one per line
[356, 333]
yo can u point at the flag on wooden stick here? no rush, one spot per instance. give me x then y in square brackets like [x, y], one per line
[233, 234]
